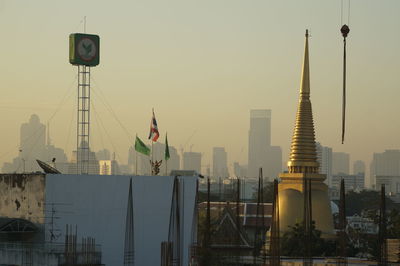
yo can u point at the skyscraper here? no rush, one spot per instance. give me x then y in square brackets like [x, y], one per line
[273, 162]
[192, 161]
[358, 167]
[340, 163]
[324, 157]
[33, 146]
[259, 141]
[220, 162]
[386, 163]
[32, 142]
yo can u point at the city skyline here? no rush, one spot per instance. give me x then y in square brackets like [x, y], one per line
[36, 144]
[213, 72]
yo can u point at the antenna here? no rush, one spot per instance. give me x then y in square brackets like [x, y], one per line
[48, 134]
[84, 24]
[54, 230]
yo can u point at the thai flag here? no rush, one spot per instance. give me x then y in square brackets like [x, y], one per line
[154, 134]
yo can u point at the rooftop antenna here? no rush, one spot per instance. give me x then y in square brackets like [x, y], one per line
[48, 134]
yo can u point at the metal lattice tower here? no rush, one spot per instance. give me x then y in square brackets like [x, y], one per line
[83, 120]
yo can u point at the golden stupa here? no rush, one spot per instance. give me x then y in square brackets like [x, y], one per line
[302, 165]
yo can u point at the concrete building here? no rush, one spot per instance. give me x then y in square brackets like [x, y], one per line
[362, 224]
[358, 167]
[32, 142]
[303, 165]
[239, 170]
[103, 154]
[33, 146]
[386, 163]
[340, 163]
[97, 205]
[274, 163]
[352, 182]
[392, 184]
[192, 161]
[220, 162]
[159, 154]
[324, 157]
[261, 154]
[109, 167]
[259, 141]
[93, 164]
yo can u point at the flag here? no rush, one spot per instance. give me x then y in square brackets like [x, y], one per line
[167, 155]
[153, 129]
[141, 147]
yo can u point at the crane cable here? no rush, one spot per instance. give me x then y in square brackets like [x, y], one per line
[345, 31]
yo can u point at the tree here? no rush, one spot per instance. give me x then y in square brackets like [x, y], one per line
[357, 202]
[293, 245]
[268, 193]
[393, 230]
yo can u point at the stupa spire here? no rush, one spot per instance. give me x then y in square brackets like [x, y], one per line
[303, 155]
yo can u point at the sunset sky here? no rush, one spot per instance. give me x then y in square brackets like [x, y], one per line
[202, 65]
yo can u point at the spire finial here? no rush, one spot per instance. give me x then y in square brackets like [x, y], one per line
[303, 156]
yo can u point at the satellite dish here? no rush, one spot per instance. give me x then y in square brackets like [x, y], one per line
[48, 169]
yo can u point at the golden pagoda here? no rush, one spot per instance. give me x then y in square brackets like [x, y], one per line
[303, 165]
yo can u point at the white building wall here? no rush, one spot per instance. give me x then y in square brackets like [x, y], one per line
[97, 205]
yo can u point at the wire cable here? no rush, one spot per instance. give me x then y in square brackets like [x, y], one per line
[104, 128]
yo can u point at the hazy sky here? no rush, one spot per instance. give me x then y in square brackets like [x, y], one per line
[202, 65]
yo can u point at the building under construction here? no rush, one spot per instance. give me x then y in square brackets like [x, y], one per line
[36, 208]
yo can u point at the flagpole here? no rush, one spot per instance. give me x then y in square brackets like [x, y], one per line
[165, 157]
[152, 156]
[136, 156]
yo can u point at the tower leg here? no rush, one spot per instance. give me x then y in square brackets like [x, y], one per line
[83, 120]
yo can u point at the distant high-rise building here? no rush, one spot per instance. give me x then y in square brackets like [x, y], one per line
[167, 166]
[33, 146]
[131, 159]
[32, 143]
[93, 164]
[143, 164]
[259, 141]
[220, 162]
[239, 170]
[392, 184]
[103, 154]
[358, 167]
[273, 162]
[324, 157]
[108, 167]
[354, 182]
[340, 163]
[192, 161]
[386, 163]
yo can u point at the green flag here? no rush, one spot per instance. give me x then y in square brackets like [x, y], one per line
[167, 156]
[141, 147]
